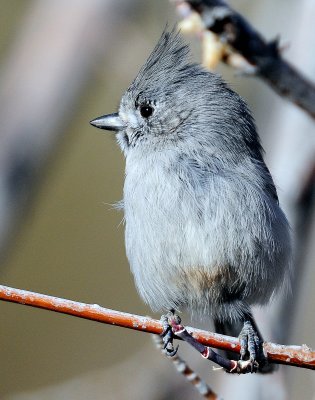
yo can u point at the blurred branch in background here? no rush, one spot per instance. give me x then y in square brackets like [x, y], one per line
[265, 57]
[55, 48]
[291, 158]
[183, 368]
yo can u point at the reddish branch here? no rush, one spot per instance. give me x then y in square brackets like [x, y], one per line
[232, 27]
[299, 356]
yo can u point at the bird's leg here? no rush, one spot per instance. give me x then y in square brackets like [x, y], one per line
[250, 343]
[172, 328]
[249, 339]
[252, 357]
[168, 320]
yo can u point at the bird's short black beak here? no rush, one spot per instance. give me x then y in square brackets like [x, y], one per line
[110, 122]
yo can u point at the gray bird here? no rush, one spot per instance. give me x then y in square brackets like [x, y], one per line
[204, 231]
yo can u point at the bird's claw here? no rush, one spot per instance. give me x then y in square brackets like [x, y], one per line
[244, 367]
[168, 321]
[251, 345]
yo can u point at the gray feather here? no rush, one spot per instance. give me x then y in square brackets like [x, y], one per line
[204, 230]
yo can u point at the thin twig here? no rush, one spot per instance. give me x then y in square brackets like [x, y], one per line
[234, 30]
[183, 368]
[299, 356]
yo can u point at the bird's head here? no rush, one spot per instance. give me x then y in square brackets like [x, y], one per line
[173, 100]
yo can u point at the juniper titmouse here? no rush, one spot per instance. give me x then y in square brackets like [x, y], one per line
[204, 230]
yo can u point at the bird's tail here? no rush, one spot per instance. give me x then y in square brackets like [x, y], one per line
[233, 329]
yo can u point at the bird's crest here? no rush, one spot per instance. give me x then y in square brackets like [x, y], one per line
[169, 59]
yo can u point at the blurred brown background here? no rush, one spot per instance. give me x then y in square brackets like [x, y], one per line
[62, 64]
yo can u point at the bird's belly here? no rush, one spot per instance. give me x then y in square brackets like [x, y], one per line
[169, 251]
[173, 264]
[185, 250]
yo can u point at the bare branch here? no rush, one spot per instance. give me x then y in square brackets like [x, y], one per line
[299, 356]
[234, 30]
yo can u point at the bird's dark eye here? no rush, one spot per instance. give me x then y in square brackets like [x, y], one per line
[146, 111]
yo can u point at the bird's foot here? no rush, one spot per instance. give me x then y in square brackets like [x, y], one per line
[251, 347]
[172, 328]
[169, 321]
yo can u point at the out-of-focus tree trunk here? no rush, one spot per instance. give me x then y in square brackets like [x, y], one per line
[292, 159]
[52, 58]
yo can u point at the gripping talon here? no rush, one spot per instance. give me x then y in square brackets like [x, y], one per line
[172, 353]
[243, 342]
[167, 335]
[251, 344]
